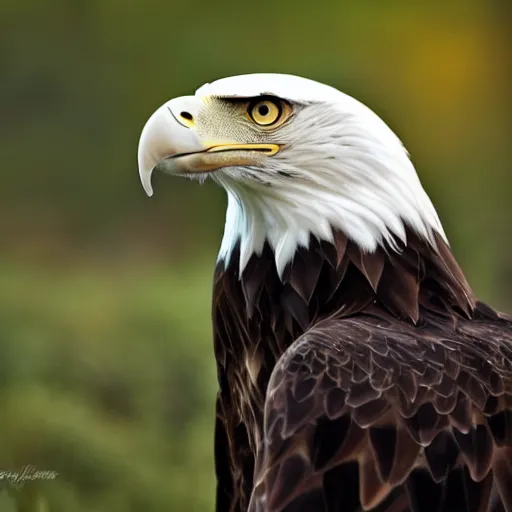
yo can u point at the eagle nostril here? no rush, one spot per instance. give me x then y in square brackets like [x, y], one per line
[186, 119]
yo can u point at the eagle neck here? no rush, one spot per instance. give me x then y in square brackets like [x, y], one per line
[266, 306]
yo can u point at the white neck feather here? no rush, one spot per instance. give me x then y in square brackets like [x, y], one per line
[345, 170]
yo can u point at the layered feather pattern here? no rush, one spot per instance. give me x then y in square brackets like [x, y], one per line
[360, 381]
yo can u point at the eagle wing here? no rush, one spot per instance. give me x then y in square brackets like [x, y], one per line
[368, 413]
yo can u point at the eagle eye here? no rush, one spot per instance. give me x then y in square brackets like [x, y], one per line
[265, 112]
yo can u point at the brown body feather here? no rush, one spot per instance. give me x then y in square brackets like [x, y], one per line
[360, 382]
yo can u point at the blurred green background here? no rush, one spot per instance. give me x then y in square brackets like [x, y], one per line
[106, 367]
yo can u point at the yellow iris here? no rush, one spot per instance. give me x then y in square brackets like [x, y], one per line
[265, 112]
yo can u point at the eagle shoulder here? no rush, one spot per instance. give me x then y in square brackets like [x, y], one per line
[374, 413]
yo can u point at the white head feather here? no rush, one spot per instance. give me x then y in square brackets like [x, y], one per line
[347, 170]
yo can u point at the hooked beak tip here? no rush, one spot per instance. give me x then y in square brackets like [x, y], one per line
[145, 178]
[149, 190]
[163, 136]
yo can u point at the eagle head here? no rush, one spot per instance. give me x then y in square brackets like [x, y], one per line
[298, 159]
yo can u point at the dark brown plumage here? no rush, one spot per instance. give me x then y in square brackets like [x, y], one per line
[360, 382]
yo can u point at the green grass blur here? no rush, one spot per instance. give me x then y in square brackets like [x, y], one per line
[106, 366]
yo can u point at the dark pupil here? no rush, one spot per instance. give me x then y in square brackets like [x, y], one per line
[263, 110]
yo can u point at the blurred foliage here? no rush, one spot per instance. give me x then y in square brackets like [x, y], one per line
[100, 382]
[106, 369]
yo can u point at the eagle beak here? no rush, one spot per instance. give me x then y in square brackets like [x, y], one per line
[169, 141]
[167, 134]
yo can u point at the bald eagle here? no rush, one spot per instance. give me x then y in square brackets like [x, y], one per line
[356, 369]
